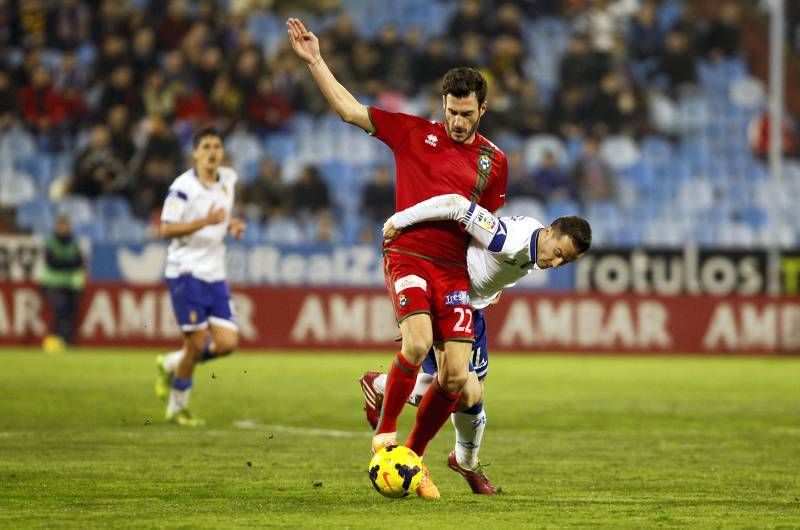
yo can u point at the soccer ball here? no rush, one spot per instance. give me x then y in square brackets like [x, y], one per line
[395, 471]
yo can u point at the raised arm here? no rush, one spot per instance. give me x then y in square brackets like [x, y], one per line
[476, 220]
[306, 45]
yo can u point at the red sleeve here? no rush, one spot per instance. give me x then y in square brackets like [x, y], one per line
[494, 196]
[392, 128]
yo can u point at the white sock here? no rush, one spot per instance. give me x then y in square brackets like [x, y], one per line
[469, 434]
[171, 360]
[420, 387]
[380, 383]
[178, 400]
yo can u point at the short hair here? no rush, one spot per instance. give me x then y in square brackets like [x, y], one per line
[209, 130]
[462, 81]
[578, 230]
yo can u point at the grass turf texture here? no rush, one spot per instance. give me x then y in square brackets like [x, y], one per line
[572, 441]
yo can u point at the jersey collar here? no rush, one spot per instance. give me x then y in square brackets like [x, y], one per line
[216, 182]
[533, 246]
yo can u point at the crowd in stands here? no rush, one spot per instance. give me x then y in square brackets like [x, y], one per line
[110, 91]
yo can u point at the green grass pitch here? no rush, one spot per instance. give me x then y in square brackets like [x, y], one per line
[572, 441]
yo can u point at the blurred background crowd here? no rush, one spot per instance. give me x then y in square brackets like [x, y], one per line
[646, 116]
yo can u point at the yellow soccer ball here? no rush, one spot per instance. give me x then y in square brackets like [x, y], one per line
[395, 471]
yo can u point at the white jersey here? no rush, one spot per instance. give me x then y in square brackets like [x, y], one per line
[511, 258]
[502, 250]
[201, 253]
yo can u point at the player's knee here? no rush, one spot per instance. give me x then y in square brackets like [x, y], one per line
[415, 348]
[227, 344]
[453, 382]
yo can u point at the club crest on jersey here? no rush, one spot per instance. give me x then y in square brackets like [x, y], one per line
[484, 162]
[432, 140]
[402, 300]
[457, 298]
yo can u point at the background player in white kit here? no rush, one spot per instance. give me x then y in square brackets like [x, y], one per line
[196, 217]
[502, 251]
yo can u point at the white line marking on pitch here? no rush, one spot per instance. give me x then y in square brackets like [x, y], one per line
[303, 431]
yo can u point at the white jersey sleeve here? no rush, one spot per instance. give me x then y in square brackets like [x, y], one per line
[476, 220]
[175, 205]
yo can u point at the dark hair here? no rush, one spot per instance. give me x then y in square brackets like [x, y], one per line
[578, 230]
[461, 82]
[202, 133]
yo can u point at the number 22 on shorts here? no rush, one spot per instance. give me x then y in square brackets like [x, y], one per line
[464, 319]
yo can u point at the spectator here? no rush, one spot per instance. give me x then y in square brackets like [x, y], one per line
[310, 193]
[645, 38]
[97, 171]
[377, 201]
[121, 91]
[226, 100]
[63, 278]
[71, 24]
[144, 57]
[469, 20]
[678, 63]
[431, 64]
[267, 196]
[723, 36]
[267, 109]
[43, 109]
[9, 106]
[758, 136]
[593, 179]
[173, 26]
[552, 182]
[209, 68]
[119, 128]
[520, 183]
[158, 98]
[155, 166]
[580, 66]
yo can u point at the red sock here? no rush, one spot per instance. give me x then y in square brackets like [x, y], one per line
[434, 409]
[399, 384]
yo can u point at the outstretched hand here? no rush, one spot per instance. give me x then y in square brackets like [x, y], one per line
[304, 43]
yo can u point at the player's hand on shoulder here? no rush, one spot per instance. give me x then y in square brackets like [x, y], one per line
[390, 233]
[304, 43]
[215, 215]
[236, 227]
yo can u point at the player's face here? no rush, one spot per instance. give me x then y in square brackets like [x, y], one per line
[462, 116]
[554, 249]
[209, 153]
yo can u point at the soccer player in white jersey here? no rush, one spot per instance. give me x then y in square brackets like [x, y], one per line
[502, 251]
[196, 217]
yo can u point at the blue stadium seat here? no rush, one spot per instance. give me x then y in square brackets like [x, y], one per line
[111, 208]
[78, 209]
[561, 208]
[31, 211]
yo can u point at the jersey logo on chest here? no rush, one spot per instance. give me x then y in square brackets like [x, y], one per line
[485, 163]
[432, 140]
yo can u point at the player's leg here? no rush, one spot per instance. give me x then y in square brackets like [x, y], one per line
[187, 294]
[178, 403]
[440, 400]
[408, 287]
[373, 386]
[402, 376]
[469, 419]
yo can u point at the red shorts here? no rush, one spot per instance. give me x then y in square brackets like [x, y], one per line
[417, 285]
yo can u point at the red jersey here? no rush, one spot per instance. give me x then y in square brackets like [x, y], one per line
[429, 163]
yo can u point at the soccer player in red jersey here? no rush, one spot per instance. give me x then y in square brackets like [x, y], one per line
[425, 267]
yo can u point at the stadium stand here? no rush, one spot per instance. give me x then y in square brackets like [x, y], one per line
[668, 119]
